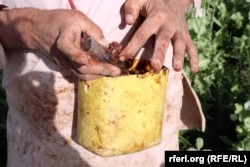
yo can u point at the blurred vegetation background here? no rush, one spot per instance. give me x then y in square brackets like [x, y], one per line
[3, 115]
[222, 36]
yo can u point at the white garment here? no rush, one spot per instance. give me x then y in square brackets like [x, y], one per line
[42, 98]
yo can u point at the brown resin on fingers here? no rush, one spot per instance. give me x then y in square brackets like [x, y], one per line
[114, 51]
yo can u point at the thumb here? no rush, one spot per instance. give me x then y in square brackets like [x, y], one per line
[132, 10]
[96, 33]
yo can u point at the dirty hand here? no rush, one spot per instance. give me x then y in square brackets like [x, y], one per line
[58, 34]
[166, 20]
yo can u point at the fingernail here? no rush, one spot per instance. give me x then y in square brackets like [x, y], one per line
[122, 58]
[129, 19]
[107, 72]
[178, 65]
[115, 73]
[156, 64]
[195, 68]
[104, 42]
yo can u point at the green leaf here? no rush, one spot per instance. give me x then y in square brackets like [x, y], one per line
[237, 16]
[238, 108]
[199, 143]
[247, 105]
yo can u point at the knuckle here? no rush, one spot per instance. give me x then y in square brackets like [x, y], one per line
[141, 38]
[132, 6]
[59, 43]
[190, 45]
[161, 49]
[160, 14]
[165, 36]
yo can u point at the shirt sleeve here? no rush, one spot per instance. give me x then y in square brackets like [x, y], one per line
[2, 5]
[2, 57]
[2, 54]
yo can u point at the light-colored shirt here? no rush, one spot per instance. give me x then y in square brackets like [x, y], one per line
[42, 99]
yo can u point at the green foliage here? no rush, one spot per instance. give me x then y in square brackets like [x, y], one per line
[242, 112]
[222, 37]
[3, 115]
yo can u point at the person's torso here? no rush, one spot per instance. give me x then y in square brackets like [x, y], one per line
[43, 100]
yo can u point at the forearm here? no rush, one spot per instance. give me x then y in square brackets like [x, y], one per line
[19, 28]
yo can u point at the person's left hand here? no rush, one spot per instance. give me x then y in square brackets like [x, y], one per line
[57, 33]
[166, 20]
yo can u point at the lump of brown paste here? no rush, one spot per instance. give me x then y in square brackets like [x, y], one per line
[114, 51]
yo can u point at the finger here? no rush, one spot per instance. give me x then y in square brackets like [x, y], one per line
[178, 55]
[161, 44]
[97, 68]
[87, 77]
[132, 9]
[193, 56]
[144, 32]
[95, 32]
[92, 29]
[69, 44]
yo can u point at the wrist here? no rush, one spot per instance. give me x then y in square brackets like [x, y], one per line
[18, 29]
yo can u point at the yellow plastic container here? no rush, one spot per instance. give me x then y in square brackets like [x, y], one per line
[123, 114]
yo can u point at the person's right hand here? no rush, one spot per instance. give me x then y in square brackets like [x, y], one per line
[58, 34]
[166, 21]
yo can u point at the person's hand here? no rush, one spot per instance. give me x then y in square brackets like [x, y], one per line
[58, 34]
[166, 20]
